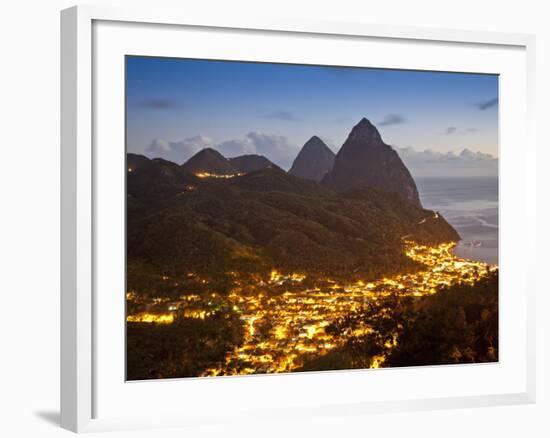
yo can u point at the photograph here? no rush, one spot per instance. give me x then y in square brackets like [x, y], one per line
[286, 218]
[260, 219]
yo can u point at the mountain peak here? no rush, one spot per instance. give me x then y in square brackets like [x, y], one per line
[365, 160]
[315, 142]
[315, 139]
[209, 151]
[365, 131]
[211, 161]
[313, 161]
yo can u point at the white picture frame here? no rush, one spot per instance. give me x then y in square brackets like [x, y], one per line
[79, 222]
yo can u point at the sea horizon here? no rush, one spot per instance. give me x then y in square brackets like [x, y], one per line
[470, 205]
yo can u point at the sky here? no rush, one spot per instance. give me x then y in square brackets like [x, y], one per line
[440, 123]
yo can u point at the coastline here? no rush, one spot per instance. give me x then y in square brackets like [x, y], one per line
[481, 254]
[470, 205]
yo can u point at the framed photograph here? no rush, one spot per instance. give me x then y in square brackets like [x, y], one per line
[280, 218]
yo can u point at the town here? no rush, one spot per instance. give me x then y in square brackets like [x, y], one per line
[285, 321]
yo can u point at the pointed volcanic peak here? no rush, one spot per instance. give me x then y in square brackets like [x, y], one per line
[209, 161]
[365, 160]
[313, 161]
[251, 163]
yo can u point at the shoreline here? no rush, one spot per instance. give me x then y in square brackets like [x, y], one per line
[478, 254]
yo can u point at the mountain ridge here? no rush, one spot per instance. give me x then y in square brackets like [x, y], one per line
[251, 162]
[265, 219]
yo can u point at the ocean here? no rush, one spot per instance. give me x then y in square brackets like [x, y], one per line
[470, 205]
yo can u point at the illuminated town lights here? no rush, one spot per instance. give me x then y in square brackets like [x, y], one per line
[297, 316]
[217, 176]
[162, 318]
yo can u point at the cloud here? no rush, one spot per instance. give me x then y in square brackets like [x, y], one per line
[331, 143]
[275, 147]
[180, 151]
[158, 103]
[282, 115]
[392, 119]
[233, 148]
[433, 163]
[486, 104]
[460, 131]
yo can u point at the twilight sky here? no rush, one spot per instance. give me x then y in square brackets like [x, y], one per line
[440, 123]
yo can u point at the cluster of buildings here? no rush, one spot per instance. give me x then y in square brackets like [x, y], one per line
[285, 322]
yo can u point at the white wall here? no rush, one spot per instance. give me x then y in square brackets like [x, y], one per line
[29, 219]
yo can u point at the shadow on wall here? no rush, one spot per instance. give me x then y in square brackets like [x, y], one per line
[51, 417]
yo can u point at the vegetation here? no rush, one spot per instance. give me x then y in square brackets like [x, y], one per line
[262, 220]
[185, 348]
[456, 325]
[193, 240]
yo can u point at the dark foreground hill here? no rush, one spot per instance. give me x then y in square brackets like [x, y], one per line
[264, 220]
[155, 180]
